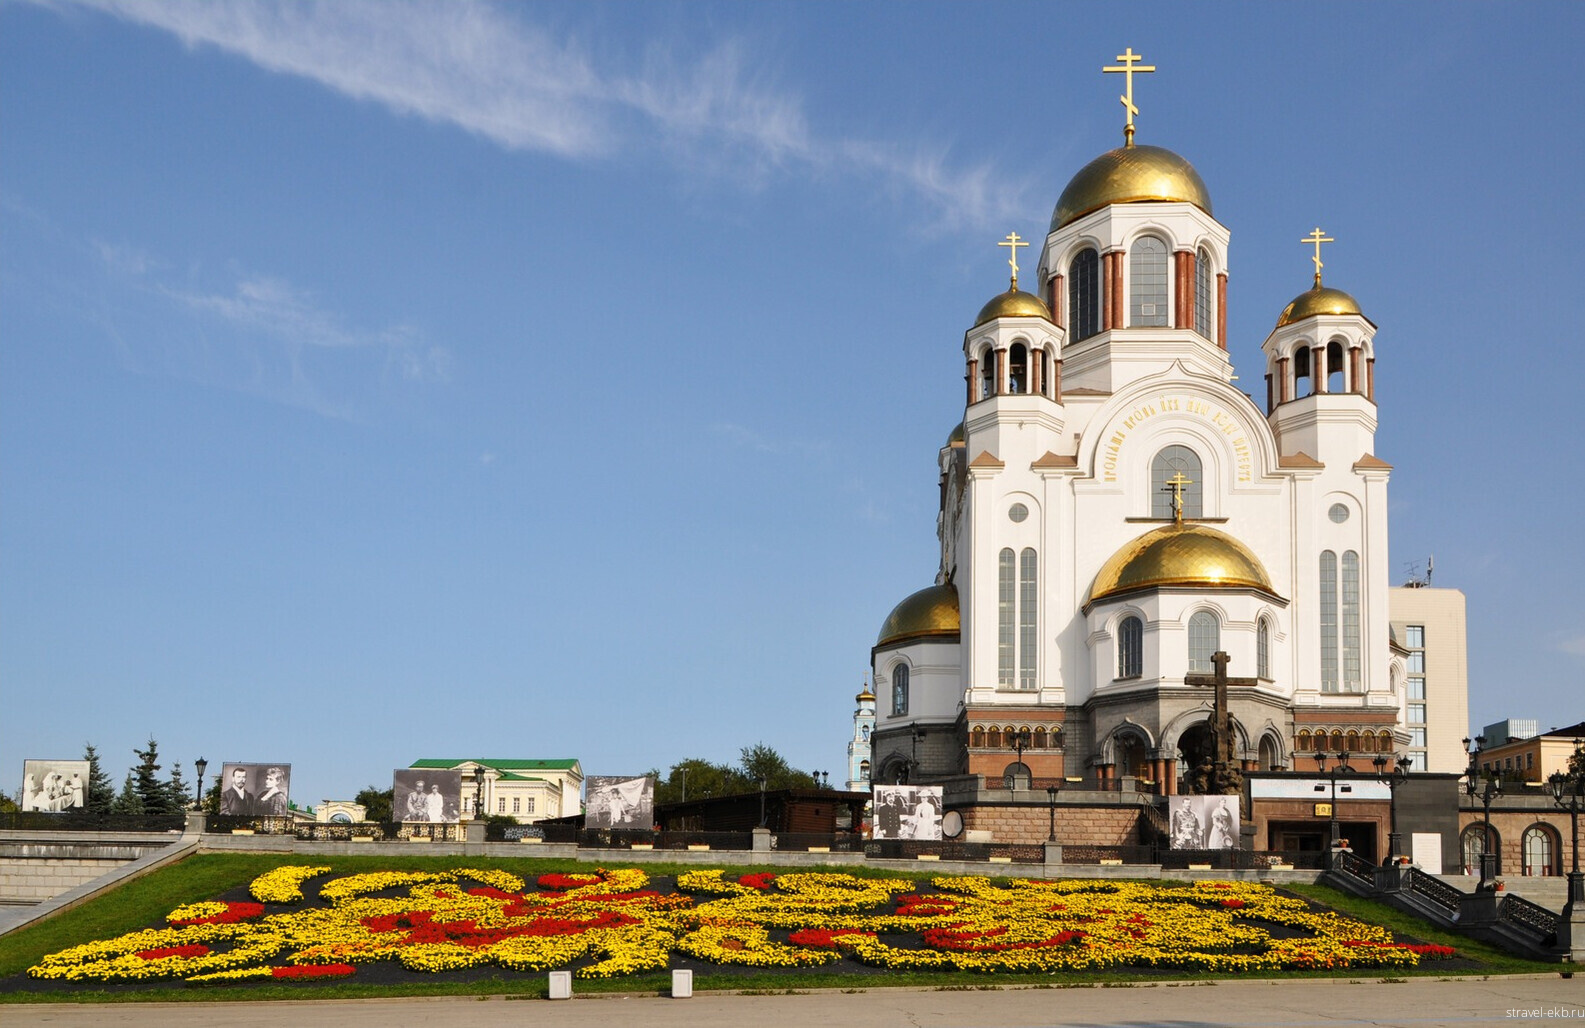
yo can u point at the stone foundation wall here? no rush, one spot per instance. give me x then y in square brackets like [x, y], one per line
[1077, 825]
[36, 870]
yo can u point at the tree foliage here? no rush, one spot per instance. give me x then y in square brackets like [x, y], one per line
[697, 778]
[376, 803]
[99, 792]
[176, 789]
[1576, 760]
[127, 803]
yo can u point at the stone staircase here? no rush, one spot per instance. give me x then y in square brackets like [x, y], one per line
[1550, 892]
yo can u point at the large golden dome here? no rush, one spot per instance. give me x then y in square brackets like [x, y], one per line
[1130, 174]
[929, 612]
[1320, 300]
[1179, 556]
[1015, 303]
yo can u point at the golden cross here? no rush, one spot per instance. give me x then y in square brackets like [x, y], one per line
[1012, 242]
[1176, 484]
[1317, 238]
[1128, 69]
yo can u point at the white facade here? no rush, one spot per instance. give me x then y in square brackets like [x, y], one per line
[1429, 626]
[859, 745]
[1059, 537]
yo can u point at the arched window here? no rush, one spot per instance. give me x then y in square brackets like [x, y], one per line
[1130, 648]
[1301, 743]
[1205, 638]
[1539, 851]
[1006, 612]
[1018, 368]
[864, 771]
[1353, 741]
[1263, 648]
[1334, 367]
[1270, 754]
[993, 738]
[1337, 741]
[1472, 842]
[900, 689]
[1028, 633]
[1203, 293]
[977, 737]
[1352, 675]
[1301, 369]
[1040, 739]
[1384, 744]
[1016, 776]
[1329, 676]
[1168, 464]
[988, 374]
[1147, 275]
[1084, 295]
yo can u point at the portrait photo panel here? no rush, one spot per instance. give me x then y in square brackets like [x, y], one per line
[255, 790]
[907, 811]
[422, 794]
[619, 801]
[53, 786]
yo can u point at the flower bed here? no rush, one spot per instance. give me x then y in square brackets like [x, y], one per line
[609, 924]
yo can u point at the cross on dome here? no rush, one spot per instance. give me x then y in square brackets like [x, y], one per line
[1177, 483]
[1012, 242]
[1128, 69]
[1317, 238]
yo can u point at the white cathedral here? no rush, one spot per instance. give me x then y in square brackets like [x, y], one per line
[1114, 510]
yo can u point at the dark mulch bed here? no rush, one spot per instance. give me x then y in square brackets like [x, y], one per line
[391, 972]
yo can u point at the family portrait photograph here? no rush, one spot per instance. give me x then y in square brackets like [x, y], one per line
[907, 811]
[426, 795]
[53, 786]
[255, 790]
[619, 802]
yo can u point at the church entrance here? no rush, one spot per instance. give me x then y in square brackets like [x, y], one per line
[1313, 836]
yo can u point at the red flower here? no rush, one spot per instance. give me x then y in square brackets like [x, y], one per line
[826, 938]
[312, 971]
[194, 950]
[1233, 904]
[758, 881]
[563, 883]
[233, 913]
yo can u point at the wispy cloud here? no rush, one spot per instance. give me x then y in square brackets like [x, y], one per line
[486, 70]
[1572, 644]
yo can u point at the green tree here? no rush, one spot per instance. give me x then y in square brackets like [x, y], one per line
[697, 779]
[376, 803]
[176, 789]
[128, 803]
[98, 792]
[153, 794]
[212, 797]
[1576, 760]
[759, 763]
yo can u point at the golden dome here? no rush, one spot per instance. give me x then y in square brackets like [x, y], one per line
[957, 438]
[865, 696]
[1015, 303]
[1130, 174]
[1181, 555]
[930, 611]
[1320, 300]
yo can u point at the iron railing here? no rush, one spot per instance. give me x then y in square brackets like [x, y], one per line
[1435, 890]
[842, 842]
[1354, 866]
[1531, 917]
[82, 821]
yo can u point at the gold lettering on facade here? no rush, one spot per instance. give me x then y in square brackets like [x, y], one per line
[1224, 422]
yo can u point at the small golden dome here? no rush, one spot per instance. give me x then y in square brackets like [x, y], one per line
[1181, 555]
[866, 696]
[1015, 303]
[1130, 174]
[1320, 300]
[930, 611]
[958, 436]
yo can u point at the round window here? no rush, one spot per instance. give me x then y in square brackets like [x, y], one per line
[1018, 512]
[1338, 513]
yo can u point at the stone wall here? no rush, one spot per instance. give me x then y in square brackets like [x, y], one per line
[34, 869]
[1077, 824]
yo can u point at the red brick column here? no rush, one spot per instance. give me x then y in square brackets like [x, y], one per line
[1034, 372]
[1114, 290]
[1056, 299]
[1221, 309]
[1183, 302]
[1001, 372]
[1283, 380]
[974, 378]
[1354, 385]
[1370, 379]
[1056, 379]
[1317, 370]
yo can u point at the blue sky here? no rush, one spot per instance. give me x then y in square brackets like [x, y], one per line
[565, 380]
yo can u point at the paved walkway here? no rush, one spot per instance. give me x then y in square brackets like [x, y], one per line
[1418, 1003]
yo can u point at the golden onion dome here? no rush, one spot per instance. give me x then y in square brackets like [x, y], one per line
[866, 696]
[1015, 303]
[1181, 556]
[932, 611]
[1130, 174]
[1320, 300]
[958, 436]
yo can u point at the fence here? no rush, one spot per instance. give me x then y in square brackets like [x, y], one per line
[82, 821]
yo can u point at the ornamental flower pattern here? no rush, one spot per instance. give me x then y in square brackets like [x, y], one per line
[608, 923]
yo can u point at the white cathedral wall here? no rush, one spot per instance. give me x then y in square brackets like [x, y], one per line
[935, 692]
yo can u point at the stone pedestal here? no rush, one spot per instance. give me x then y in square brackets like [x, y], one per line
[762, 840]
[1479, 907]
[197, 822]
[1571, 932]
[473, 833]
[1392, 878]
[1053, 852]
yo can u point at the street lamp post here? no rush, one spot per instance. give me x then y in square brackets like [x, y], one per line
[1568, 792]
[478, 793]
[1051, 806]
[200, 765]
[1333, 835]
[1490, 791]
[1017, 741]
[1394, 774]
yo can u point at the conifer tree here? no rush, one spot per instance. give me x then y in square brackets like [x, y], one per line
[128, 803]
[177, 791]
[98, 792]
[153, 794]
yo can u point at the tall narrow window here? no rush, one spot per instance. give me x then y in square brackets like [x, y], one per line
[1352, 678]
[1147, 273]
[1334, 367]
[1203, 293]
[1263, 648]
[1130, 648]
[1329, 676]
[1028, 631]
[1018, 368]
[900, 689]
[1205, 638]
[1166, 465]
[988, 374]
[1084, 295]
[1006, 613]
[1301, 370]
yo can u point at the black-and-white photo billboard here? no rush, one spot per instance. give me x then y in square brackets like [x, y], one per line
[907, 811]
[255, 790]
[1203, 822]
[53, 786]
[619, 802]
[420, 794]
